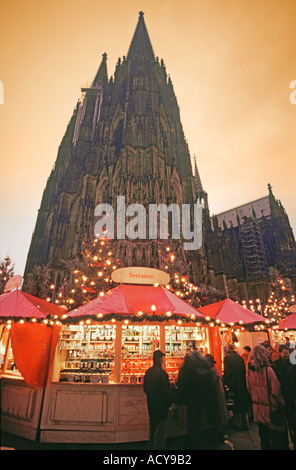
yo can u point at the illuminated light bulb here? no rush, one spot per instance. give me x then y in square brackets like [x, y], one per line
[81, 323]
[100, 315]
[153, 308]
[208, 318]
[179, 322]
[126, 322]
[52, 286]
[95, 258]
[168, 314]
[88, 322]
[140, 313]
[113, 320]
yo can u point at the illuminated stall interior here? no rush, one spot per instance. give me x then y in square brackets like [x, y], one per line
[87, 353]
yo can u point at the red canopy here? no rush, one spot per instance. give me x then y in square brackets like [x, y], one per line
[228, 311]
[288, 322]
[132, 299]
[17, 304]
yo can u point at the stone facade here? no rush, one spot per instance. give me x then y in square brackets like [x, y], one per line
[125, 138]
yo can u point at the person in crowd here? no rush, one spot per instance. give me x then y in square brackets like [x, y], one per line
[281, 368]
[291, 403]
[269, 351]
[246, 355]
[220, 414]
[157, 389]
[235, 379]
[196, 389]
[265, 391]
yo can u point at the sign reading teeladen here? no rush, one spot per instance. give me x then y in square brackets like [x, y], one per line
[140, 275]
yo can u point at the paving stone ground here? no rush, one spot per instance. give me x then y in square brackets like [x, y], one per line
[235, 440]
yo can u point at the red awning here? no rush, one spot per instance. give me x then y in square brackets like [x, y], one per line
[132, 299]
[288, 322]
[17, 305]
[228, 311]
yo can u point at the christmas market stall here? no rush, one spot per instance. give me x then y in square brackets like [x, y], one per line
[96, 392]
[235, 324]
[285, 333]
[28, 339]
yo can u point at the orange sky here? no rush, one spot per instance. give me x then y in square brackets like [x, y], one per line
[231, 63]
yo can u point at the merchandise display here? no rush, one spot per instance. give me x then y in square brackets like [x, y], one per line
[87, 353]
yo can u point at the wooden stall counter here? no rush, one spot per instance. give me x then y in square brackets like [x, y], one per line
[100, 413]
[80, 412]
[20, 406]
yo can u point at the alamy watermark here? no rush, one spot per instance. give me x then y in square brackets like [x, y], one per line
[155, 222]
[293, 94]
[293, 357]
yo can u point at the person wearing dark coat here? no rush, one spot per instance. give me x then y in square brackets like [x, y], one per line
[158, 391]
[291, 403]
[235, 379]
[281, 367]
[196, 389]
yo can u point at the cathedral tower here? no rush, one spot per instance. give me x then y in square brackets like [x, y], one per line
[125, 138]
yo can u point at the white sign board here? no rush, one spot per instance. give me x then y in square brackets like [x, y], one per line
[140, 275]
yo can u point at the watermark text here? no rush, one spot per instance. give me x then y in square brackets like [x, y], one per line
[158, 221]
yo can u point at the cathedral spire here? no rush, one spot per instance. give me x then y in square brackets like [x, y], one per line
[102, 75]
[141, 45]
[198, 183]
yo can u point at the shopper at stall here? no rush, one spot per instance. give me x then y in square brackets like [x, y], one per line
[235, 379]
[267, 401]
[157, 388]
[220, 414]
[281, 367]
[246, 355]
[269, 351]
[197, 391]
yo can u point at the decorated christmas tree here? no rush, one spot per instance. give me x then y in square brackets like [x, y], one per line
[89, 276]
[281, 297]
[6, 272]
[175, 264]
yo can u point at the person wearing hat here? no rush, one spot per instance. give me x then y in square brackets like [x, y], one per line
[157, 389]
